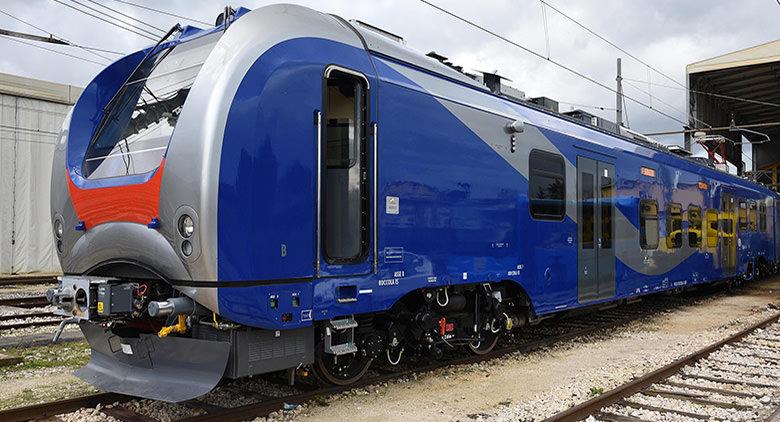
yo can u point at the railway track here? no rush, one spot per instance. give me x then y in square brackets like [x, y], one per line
[26, 280]
[25, 302]
[535, 338]
[737, 378]
[49, 319]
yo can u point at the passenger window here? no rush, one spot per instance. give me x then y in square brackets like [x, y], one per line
[648, 224]
[743, 223]
[752, 217]
[607, 192]
[694, 226]
[588, 222]
[712, 229]
[547, 186]
[345, 228]
[673, 226]
[762, 216]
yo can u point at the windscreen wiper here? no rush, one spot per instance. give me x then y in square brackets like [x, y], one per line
[109, 108]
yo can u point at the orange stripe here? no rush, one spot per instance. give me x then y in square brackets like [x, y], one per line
[137, 203]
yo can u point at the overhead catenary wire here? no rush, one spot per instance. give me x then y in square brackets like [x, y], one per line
[52, 50]
[621, 49]
[629, 83]
[151, 9]
[91, 50]
[602, 38]
[119, 12]
[541, 56]
[546, 29]
[140, 34]
[131, 25]
[712, 94]
[603, 108]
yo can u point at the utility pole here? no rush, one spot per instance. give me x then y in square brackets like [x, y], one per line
[619, 96]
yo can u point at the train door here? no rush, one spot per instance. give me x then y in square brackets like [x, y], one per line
[728, 244]
[344, 216]
[595, 244]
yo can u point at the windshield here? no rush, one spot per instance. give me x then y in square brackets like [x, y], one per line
[135, 133]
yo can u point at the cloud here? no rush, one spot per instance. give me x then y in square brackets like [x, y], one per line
[667, 34]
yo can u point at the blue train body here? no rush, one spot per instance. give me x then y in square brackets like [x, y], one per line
[456, 187]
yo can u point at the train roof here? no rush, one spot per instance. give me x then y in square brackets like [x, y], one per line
[387, 44]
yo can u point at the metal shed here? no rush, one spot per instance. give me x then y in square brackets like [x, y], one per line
[31, 115]
[743, 85]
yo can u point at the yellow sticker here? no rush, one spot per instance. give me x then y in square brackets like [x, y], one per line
[100, 306]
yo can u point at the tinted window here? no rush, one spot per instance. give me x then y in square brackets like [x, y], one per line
[341, 131]
[606, 212]
[134, 134]
[752, 216]
[694, 226]
[673, 226]
[712, 229]
[648, 224]
[547, 186]
[762, 216]
[588, 210]
[345, 200]
[743, 222]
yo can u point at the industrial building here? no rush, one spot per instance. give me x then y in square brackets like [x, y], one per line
[740, 89]
[31, 115]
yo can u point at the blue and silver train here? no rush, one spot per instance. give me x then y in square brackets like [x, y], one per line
[331, 198]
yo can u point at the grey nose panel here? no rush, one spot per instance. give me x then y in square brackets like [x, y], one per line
[171, 369]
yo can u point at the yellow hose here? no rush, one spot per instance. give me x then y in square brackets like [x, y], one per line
[179, 327]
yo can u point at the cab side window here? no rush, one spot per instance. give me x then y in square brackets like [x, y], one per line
[546, 186]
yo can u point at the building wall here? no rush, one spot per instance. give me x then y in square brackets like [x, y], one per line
[31, 115]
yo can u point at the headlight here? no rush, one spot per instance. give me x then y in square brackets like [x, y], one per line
[58, 228]
[186, 248]
[186, 226]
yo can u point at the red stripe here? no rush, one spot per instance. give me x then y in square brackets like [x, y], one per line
[137, 203]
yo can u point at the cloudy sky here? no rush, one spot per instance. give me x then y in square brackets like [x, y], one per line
[667, 34]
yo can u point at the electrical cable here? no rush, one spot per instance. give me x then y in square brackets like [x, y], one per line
[53, 51]
[90, 50]
[603, 108]
[561, 65]
[650, 67]
[729, 97]
[546, 30]
[162, 12]
[602, 38]
[137, 28]
[104, 20]
[665, 103]
[127, 16]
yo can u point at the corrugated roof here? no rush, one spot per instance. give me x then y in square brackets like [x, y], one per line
[38, 89]
[762, 53]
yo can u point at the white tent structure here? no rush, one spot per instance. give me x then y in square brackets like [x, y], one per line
[31, 115]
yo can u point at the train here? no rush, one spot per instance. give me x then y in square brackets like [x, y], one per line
[293, 192]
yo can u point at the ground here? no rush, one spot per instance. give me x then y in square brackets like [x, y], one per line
[539, 384]
[527, 386]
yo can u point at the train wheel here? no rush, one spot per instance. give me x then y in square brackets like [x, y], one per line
[490, 337]
[486, 345]
[340, 370]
